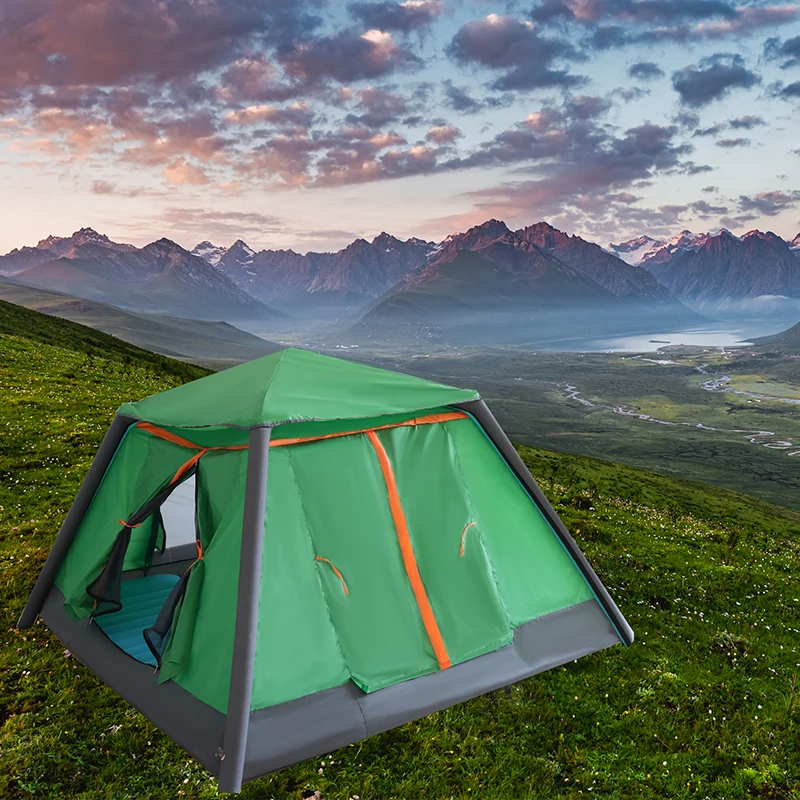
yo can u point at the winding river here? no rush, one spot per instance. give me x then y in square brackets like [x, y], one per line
[764, 438]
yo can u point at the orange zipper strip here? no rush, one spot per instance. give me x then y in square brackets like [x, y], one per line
[428, 420]
[409, 560]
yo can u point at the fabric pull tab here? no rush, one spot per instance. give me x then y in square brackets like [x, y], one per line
[463, 538]
[336, 571]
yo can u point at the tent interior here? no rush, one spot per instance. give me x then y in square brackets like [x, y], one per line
[142, 596]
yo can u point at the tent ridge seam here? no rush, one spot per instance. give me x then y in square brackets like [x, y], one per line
[474, 519]
[269, 384]
[320, 583]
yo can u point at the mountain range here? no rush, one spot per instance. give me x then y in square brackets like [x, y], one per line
[161, 277]
[717, 269]
[492, 282]
[535, 271]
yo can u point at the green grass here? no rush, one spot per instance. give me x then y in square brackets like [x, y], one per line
[704, 704]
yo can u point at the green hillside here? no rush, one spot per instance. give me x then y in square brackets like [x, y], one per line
[704, 704]
[787, 342]
[171, 336]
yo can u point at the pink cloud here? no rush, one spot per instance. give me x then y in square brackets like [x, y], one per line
[182, 171]
[443, 134]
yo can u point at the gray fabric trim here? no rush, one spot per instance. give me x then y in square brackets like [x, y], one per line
[249, 585]
[486, 420]
[316, 724]
[106, 451]
[196, 727]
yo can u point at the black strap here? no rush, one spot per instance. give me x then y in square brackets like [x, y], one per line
[105, 590]
[156, 635]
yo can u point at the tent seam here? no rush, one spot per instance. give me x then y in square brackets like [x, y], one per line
[479, 530]
[535, 502]
[269, 386]
[320, 583]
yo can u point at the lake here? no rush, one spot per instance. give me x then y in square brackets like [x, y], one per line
[707, 336]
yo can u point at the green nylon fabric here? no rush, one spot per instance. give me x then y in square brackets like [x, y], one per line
[461, 589]
[297, 651]
[329, 499]
[208, 607]
[202, 665]
[534, 572]
[348, 521]
[293, 385]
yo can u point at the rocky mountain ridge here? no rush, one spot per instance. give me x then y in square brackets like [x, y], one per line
[724, 267]
[240, 282]
[160, 277]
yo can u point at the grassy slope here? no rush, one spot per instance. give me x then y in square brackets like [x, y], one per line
[787, 341]
[173, 336]
[702, 705]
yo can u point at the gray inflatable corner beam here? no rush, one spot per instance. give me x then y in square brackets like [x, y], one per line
[237, 723]
[485, 418]
[108, 447]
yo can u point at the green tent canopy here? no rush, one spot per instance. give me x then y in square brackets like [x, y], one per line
[299, 552]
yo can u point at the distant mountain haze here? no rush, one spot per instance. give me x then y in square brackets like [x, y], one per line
[535, 267]
[354, 275]
[786, 342]
[623, 280]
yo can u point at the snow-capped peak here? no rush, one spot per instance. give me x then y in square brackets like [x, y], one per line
[795, 243]
[210, 253]
[634, 250]
[685, 240]
[243, 246]
[240, 245]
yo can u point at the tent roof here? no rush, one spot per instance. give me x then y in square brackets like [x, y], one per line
[293, 385]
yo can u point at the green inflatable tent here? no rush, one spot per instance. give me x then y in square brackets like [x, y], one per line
[299, 552]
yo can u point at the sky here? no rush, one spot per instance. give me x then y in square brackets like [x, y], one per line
[306, 124]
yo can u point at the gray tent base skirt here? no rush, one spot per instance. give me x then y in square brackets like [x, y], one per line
[320, 723]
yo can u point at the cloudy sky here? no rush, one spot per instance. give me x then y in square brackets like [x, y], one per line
[305, 124]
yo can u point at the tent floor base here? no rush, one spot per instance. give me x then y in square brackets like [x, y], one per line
[317, 724]
[196, 727]
[310, 726]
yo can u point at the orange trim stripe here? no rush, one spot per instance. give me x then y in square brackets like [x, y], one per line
[184, 468]
[409, 560]
[175, 439]
[338, 574]
[170, 437]
[428, 420]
